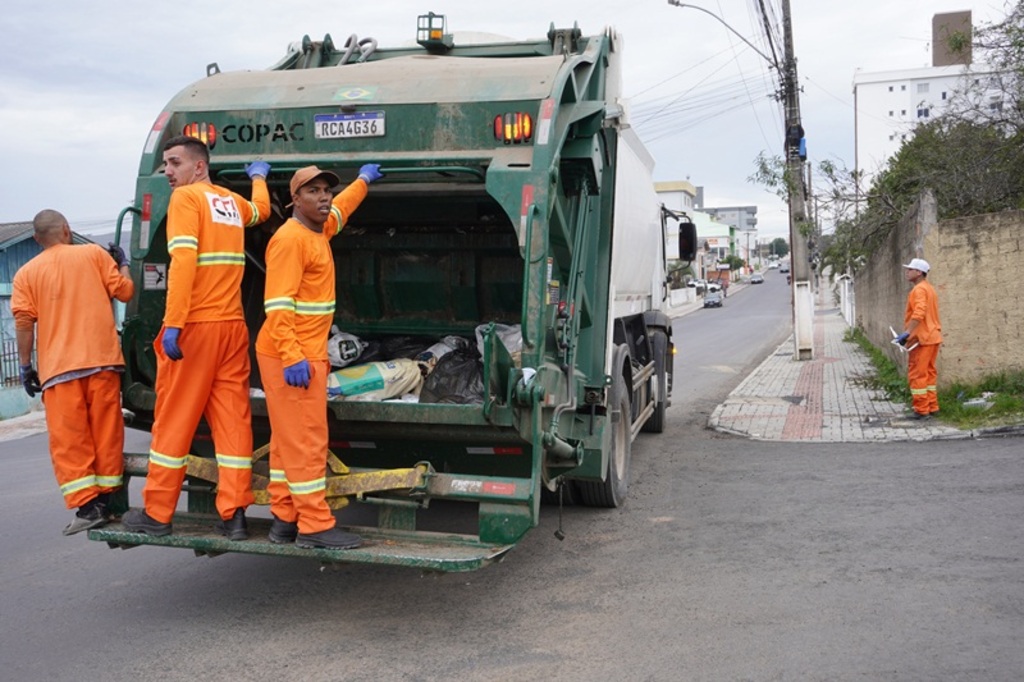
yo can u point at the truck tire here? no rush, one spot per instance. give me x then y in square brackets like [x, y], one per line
[659, 344]
[612, 491]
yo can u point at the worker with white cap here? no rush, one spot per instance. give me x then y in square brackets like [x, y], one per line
[922, 331]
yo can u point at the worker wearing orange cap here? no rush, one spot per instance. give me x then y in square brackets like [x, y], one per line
[922, 329]
[291, 350]
[203, 348]
[65, 291]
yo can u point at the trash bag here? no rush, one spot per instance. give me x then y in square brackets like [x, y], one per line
[509, 334]
[457, 379]
[394, 347]
[343, 348]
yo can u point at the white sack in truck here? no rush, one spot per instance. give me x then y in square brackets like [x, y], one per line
[375, 380]
[343, 348]
[509, 334]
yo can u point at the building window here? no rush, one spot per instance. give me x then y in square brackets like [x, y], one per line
[903, 137]
[922, 113]
[903, 112]
[890, 114]
[890, 88]
[943, 95]
[903, 88]
[995, 106]
[922, 88]
[892, 137]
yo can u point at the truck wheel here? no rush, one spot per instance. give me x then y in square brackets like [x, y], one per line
[659, 343]
[612, 491]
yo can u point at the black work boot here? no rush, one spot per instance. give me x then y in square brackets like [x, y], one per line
[234, 528]
[138, 521]
[332, 538]
[282, 532]
[92, 514]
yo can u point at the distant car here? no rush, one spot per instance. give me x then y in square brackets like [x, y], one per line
[714, 286]
[757, 278]
[784, 267]
[773, 265]
[713, 299]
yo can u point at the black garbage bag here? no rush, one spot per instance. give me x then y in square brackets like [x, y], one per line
[394, 347]
[458, 379]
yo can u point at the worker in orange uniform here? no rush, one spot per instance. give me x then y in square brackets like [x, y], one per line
[291, 350]
[203, 348]
[922, 327]
[66, 291]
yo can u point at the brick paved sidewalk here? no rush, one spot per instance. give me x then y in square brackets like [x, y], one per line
[820, 400]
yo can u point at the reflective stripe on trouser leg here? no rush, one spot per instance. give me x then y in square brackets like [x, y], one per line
[298, 444]
[208, 380]
[921, 376]
[86, 430]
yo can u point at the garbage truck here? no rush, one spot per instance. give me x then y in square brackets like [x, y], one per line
[516, 216]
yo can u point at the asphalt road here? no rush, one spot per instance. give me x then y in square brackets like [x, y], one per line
[732, 560]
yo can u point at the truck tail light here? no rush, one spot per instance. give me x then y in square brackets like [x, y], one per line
[205, 132]
[513, 127]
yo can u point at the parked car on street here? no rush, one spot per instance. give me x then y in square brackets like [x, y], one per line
[713, 299]
[784, 267]
[757, 278]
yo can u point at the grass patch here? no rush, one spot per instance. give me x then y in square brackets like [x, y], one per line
[889, 378]
[1004, 393]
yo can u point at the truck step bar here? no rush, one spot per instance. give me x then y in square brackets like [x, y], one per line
[424, 550]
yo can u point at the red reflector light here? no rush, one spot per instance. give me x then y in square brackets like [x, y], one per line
[205, 132]
[513, 128]
[147, 206]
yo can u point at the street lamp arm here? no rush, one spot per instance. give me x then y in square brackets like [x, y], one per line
[720, 20]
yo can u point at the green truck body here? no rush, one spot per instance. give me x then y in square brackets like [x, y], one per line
[556, 229]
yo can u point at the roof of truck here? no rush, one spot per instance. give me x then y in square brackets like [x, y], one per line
[418, 79]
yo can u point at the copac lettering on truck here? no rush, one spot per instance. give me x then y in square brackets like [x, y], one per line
[249, 132]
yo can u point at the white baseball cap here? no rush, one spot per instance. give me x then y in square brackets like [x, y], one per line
[919, 264]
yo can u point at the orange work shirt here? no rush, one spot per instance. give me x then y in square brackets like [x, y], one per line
[923, 306]
[206, 242]
[299, 297]
[66, 291]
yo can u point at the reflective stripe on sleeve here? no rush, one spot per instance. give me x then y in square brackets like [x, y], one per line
[185, 242]
[283, 303]
[255, 215]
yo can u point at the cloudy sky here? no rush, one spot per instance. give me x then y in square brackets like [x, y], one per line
[81, 83]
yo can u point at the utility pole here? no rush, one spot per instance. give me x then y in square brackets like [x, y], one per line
[800, 266]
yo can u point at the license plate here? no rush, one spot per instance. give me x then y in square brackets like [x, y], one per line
[343, 126]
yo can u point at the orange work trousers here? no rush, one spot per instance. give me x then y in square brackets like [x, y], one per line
[298, 445]
[86, 427]
[211, 381]
[922, 377]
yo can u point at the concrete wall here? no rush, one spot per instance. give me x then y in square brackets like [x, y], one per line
[975, 269]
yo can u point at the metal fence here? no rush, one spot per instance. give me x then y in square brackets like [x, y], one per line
[10, 366]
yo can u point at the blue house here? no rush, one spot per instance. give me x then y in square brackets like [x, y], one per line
[17, 247]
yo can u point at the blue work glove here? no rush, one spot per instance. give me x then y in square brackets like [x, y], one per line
[117, 253]
[298, 374]
[30, 380]
[170, 343]
[257, 169]
[902, 338]
[370, 172]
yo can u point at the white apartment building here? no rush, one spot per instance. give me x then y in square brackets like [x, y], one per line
[888, 105]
